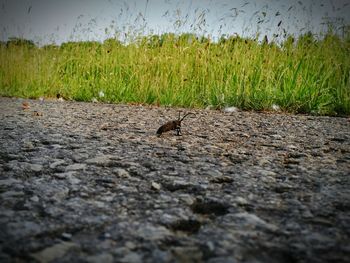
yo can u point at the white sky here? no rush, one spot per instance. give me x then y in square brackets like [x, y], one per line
[46, 21]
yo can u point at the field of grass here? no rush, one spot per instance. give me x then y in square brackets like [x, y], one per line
[306, 75]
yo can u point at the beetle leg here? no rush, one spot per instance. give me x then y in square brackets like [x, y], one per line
[178, 131]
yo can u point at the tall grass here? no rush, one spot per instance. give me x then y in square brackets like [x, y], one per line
[307, 75]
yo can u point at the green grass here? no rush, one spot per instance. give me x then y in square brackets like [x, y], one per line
[304, 76]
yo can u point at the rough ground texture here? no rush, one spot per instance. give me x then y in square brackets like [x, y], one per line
[84, 182]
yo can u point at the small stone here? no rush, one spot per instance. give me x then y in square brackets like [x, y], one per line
[11, 193]
[151, 232]
[20, 230]
[28, 146]
[76, 166]
[275, 107]
[155, 186]
[57, 163]
[104, 257]
[130, 245]
[6, 214]
[101, 94]
[268, 179]
[254, 221]
[103, 160]
[36, 167]
[66, 236]
[230, 109]
[167, 219]
[263, 162]
[214, 173]
[307, 214]
[187, 198]
[241, 201]
[54, 252]
[34, 198]
[210, 245]
[318, 238]
[182, 184]
[121, 173]
[73, 180]
[109, 197]
[187, 254]
[83, 194]
[267, 173]
[131, 257]
[9, 182]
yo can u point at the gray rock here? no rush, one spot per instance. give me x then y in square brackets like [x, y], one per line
[8, 182]
[11, 194]
[54, 252]
[73, 180]
[131, 257]
[241, 201]
[28, 146]
[103, 257]
[76, 167]
[251, 220]
[57, 163]
[34, 199]
[151, 232]
[65, 175]
[18, 230]
[155, 186]
[103, 160]
[35, 167]
[66, 236]
[121, 173]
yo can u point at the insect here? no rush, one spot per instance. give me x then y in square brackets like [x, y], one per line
[172, 125]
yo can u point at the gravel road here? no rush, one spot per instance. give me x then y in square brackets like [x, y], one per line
[91, 182]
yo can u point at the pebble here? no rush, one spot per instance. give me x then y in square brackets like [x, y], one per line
[34, 199]
[155, 186]
[35, 167]
[57, 163]
[11, 193]
[100, 258]
[231, 109]
[76, 166]
[241, 201]
[131, 257]
[28, 146]
[9, 182]
[151, 232]
[252, 220]
[121, 173]
[54, 252]
[66, 236]
[103, 160]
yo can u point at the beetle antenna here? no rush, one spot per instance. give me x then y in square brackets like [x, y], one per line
[186, 115]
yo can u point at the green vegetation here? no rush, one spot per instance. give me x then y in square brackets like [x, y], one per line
[307, 75]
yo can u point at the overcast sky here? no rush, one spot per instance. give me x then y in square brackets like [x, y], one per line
[46, 21]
